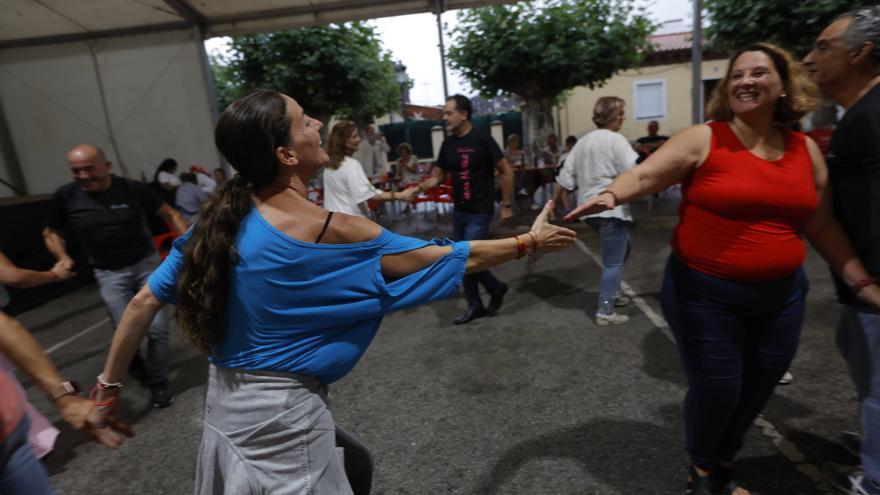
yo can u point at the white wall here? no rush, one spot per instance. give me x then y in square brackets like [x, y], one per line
[155, 92]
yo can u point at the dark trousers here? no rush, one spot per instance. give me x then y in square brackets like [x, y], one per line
[735, 340]
[358, 462]
[468, 227]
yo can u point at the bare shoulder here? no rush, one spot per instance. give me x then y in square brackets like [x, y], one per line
[347, 229]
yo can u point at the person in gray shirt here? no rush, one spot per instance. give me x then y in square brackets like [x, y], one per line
[189, 197]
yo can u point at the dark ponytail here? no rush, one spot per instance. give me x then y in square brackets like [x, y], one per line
[247, 134]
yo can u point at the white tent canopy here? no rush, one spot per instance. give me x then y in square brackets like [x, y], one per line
[28, 22]
[132, 76]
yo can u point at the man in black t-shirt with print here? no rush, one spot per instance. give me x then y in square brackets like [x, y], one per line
[845, 63]
[108, 216]
[471, 156]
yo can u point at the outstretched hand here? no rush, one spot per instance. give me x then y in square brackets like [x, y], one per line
[597, 204]
[551, 237]
[101, 423]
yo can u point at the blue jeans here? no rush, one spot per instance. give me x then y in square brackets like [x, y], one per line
[735, 340]
[615, 244]
[858, 339]
[469, 227]
[20, 470]
[117, 287]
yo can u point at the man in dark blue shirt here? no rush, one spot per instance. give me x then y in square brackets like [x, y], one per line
[107, 214]
[845, 63]
[472, 156]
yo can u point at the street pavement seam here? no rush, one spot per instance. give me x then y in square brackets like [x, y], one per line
[77, 335]
[788, 449]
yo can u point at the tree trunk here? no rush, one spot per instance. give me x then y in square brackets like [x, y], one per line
[537, 125]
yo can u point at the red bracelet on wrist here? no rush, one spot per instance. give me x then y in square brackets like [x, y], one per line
[520, 247]
[861, 284]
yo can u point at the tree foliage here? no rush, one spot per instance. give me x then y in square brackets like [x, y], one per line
[334, 70]
[540, 49]
[792, 24]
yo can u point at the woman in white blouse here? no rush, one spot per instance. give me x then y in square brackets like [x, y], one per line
[346, 187]
[593, 163]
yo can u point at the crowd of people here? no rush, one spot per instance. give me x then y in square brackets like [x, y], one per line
[285, 296]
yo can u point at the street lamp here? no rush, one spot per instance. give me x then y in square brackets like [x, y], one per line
[402, 80]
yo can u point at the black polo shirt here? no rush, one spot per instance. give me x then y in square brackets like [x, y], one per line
[471, 160]
[110, 224]
[854, 171]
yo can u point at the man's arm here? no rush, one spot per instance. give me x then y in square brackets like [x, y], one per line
[173, 217]
[20, 347]
[438, 176]
[13, 276]
[505, 180]
[55, 244]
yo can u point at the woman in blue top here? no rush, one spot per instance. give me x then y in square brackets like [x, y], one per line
[285, 298]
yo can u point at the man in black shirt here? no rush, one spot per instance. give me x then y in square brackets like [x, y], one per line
[845, 63]
[646, 145]
[472, 157]
[108, 216]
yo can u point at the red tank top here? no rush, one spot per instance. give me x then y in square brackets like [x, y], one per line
[741, 216]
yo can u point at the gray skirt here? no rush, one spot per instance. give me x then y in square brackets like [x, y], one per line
[265, 433]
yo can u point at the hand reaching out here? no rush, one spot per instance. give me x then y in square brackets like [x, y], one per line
[62, 270]
[550, 237]
[101, 423]
[408, 194]
[597, 204]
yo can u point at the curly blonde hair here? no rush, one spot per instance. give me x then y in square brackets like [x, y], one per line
[801, 95]
[336, 142]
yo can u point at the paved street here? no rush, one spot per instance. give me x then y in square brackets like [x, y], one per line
[537, 400]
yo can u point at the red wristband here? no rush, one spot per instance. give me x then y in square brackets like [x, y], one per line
[861, 284]
[520, 247]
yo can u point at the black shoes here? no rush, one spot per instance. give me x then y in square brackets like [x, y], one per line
[496, 301]
[470, 315]
[138, 369]
[162, 396]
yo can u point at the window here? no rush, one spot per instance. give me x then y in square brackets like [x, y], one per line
[650, 99]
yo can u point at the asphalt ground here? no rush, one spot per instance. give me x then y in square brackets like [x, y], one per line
[537, 400]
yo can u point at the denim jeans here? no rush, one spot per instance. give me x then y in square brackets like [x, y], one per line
[468, 227]
[735, 340]
[117, 288]
[20, 470]
[615, 244]
[858, 339]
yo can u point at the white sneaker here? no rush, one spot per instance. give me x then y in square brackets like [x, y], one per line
[786, 379]
[612, 319]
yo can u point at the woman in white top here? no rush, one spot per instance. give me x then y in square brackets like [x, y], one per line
[593, 163]
[407, 165]
[346, 187]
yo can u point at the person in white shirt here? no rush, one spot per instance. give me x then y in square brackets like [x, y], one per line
[372, 153]
[203, 178]
[593, 163]
[346, 187]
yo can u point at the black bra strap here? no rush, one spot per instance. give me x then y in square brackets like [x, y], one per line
[326, 224]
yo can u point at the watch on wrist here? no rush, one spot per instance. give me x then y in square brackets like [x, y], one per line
[69, 387]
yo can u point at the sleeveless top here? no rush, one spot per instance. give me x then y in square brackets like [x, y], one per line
[302, 307]
[741, 216]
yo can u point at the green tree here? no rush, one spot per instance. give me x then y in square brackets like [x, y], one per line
[334, 70]
[792, 24]
[538, 50]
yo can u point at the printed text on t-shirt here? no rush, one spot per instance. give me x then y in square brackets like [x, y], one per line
[465, 174]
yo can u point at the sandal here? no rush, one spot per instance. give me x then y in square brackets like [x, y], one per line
[699, 485]
[724, 482]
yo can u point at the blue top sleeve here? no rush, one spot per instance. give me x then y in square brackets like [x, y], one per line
[163, 281]
[439, 280]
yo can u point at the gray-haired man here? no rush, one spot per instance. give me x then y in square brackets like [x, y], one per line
[845, 63]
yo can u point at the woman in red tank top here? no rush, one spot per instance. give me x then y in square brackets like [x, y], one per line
[734, 292]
